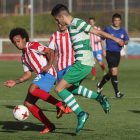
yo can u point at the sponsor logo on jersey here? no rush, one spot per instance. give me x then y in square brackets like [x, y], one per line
[30, 44]
[122, 36]
[40, 48]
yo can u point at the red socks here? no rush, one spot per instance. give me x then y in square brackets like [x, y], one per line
[93, 71]
[45, 96]
[37, 112]
[103, 66]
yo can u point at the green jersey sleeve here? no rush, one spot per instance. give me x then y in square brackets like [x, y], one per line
[83, 26]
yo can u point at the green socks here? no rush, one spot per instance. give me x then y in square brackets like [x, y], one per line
[69, 99]
[85, 92]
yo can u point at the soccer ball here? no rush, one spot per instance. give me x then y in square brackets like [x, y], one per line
[21, 113]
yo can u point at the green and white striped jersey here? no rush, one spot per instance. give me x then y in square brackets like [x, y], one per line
[78, 30]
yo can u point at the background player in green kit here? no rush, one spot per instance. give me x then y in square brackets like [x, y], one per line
[70, 83]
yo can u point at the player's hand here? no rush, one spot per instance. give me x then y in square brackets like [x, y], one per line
[46, 68]
[10, 83]
[120, 42]
[104, 53]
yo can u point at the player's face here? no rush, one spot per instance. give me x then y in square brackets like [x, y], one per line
[19, 42]
[61, 27]
[116, 22]
[92, 22]
[60, 20]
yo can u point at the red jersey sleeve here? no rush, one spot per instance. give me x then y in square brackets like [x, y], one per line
[52, 44]
[39, 48]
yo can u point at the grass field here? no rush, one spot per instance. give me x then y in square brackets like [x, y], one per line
[123, 122]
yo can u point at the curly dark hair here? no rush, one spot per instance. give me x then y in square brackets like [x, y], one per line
[18, 31]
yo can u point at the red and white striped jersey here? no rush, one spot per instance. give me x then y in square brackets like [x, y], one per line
[96, 46]
[34, 58]
[62, 44]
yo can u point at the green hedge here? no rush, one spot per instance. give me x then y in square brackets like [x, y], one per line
[45, 23]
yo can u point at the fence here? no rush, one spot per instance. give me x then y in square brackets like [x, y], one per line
[35, 17]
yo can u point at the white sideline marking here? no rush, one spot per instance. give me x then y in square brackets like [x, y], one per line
[125, 97]
[4, 101]
[14, 54]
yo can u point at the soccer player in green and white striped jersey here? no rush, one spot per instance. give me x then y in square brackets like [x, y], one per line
[70, 83]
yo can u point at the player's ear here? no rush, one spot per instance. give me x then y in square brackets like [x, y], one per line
[63, 17]
[24, 39]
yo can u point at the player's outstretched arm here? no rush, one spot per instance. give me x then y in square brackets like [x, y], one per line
[10, 83]
[107, 36]
[103, 49]
[51, 55]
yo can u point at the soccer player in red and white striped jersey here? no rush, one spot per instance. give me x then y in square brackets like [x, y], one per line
[38, 58]
[95, 40]
[35, 57]
[60, 41]
[96, 43]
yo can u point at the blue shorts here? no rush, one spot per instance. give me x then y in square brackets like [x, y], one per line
[62, 72]
[45, 81]
[98, 55]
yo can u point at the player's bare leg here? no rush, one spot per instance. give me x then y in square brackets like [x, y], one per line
[35, 110]
[101, 64]
[62, 91]
[45, 96]
[93, 71]
[62, 85]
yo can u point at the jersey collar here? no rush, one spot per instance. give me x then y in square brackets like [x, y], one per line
[71, 21]
[115, 28]
[63, 34]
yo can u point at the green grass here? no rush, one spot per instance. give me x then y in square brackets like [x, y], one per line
[122, 123]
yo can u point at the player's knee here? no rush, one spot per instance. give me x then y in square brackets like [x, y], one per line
[31, 89]
[100, 63]
[57, 90]
[114, 72]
